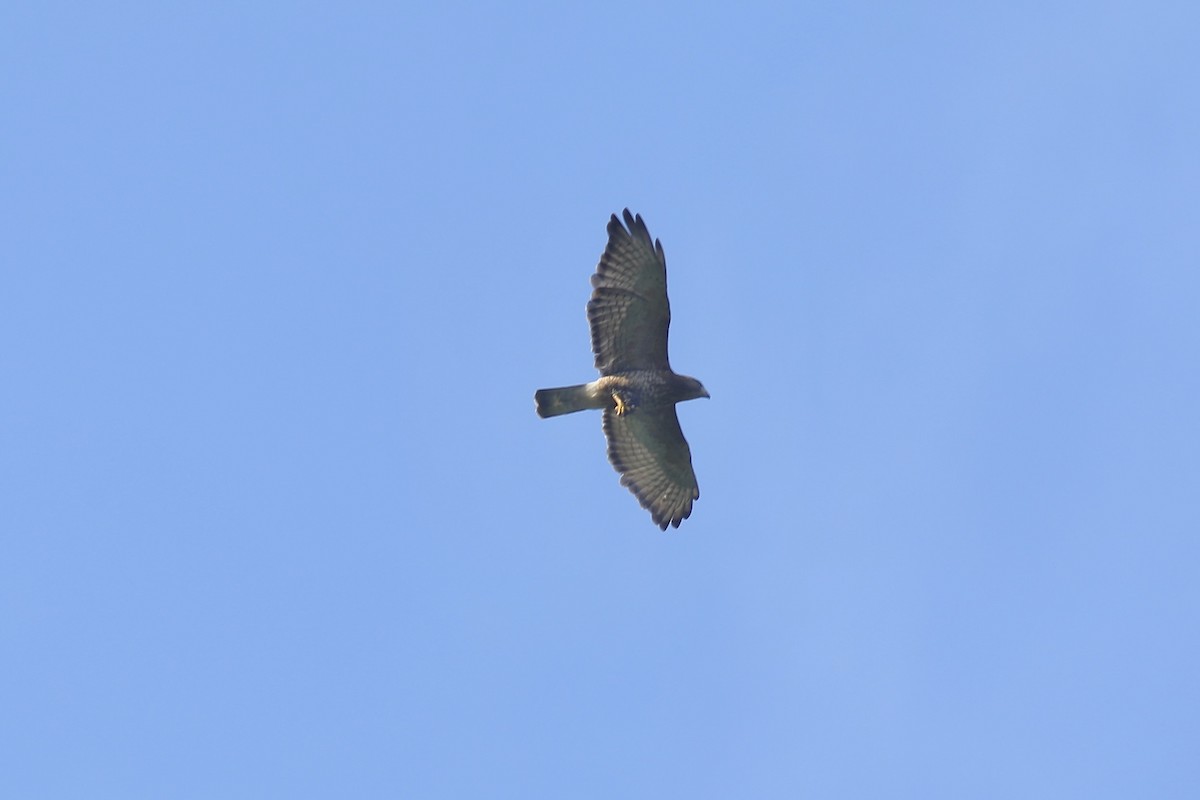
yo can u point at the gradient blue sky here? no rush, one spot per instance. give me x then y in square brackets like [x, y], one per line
[280, 280]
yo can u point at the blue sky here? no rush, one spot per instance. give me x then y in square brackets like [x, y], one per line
[279, 283]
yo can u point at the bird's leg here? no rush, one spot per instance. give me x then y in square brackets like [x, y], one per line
[623, 403]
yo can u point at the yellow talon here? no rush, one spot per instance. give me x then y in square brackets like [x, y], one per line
[621, 407]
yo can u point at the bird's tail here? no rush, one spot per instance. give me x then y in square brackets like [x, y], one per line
[566, 400]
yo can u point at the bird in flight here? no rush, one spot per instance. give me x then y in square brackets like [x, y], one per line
[637, 389]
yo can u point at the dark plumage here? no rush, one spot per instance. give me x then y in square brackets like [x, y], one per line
[629, 315]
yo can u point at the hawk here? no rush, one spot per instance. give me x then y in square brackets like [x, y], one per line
[637, 390]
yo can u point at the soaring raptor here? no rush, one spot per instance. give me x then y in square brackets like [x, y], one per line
[629, 314]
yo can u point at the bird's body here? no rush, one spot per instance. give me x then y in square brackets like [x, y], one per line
[629, 315]
[622, 392]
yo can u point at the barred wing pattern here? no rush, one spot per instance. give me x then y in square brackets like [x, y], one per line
[648, 449]
[629, 313]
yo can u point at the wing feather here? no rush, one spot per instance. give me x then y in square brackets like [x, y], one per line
[629, 313]
[648, 449]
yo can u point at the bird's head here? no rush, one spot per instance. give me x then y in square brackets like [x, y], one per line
[692, 388]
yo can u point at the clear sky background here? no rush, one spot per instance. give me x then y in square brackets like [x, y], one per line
[279, 282]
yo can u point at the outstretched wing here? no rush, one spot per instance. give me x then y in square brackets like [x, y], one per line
[629, 313]
[648, 449]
